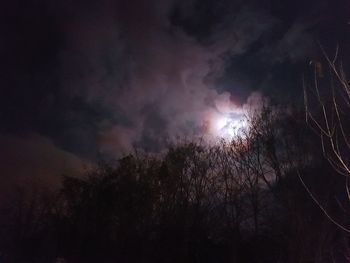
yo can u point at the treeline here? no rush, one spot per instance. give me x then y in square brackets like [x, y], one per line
[238, 201]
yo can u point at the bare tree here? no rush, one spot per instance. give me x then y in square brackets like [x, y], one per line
[327, 114]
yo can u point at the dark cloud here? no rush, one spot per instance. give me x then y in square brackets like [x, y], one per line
[33, 159]
[101, 77]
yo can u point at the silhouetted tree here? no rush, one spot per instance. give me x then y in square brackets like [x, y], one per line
[233, 201]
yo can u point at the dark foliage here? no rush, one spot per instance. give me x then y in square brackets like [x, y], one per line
[238, 201]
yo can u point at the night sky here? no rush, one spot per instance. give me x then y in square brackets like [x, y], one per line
[85, 80]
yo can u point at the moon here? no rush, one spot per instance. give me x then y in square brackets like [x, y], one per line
[227, 126]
